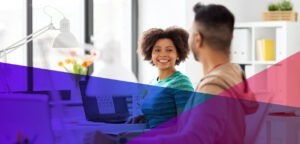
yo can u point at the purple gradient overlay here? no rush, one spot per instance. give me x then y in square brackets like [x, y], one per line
[229, 117]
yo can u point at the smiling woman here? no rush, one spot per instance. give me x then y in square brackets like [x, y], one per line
[164, 56]
[165, 49]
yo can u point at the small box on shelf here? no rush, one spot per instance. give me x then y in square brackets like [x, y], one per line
[265, 50]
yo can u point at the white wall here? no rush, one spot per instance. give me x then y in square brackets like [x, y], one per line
[158, 14]
[244, 10]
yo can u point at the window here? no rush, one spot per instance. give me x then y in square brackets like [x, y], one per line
[13, 28]
[112, 19]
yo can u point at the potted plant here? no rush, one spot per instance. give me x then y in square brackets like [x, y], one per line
[282, 11]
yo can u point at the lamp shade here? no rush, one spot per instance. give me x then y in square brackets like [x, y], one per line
[65, 39]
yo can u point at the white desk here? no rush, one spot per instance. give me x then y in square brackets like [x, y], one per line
[74, 130]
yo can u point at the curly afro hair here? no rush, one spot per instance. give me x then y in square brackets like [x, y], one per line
[178, 36]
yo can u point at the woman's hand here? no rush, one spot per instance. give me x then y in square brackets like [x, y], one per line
[99, 138]
[137, 119]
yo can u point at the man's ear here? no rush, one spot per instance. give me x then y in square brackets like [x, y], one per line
[198, 40]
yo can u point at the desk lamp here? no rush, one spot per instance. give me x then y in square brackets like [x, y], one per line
[65, 39]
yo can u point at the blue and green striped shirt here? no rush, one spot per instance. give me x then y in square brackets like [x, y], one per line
[167, 100]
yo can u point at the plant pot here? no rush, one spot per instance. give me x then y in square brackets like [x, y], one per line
[75, 88]
[280, 16]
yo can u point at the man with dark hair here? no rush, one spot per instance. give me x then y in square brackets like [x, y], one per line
[216, 113]
[215, 24]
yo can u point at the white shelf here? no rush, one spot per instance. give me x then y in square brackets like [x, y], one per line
[265, 62]
[243, 62]
[244, 51]
[246, 34]
[262, 24]
[275, 83]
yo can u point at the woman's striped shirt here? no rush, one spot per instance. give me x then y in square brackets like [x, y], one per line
[166, 99]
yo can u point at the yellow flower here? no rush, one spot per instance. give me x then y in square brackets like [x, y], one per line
[60, 63]
[77, 64]
[69, 60]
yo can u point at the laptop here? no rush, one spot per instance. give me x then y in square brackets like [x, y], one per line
[108, 109]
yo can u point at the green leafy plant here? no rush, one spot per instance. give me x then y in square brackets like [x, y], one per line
[273, 7]
[286, 6]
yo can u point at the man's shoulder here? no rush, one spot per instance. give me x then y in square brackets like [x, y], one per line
[212, 85]
[222, 78]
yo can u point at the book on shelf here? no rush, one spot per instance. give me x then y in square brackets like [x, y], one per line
[265, 50]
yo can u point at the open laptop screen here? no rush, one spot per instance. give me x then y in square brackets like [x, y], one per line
[104, 108]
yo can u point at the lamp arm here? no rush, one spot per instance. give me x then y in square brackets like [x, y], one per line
[12, 48]
[30, 37]
[26, 39]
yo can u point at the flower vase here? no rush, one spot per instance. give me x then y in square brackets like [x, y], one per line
[75, 89]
